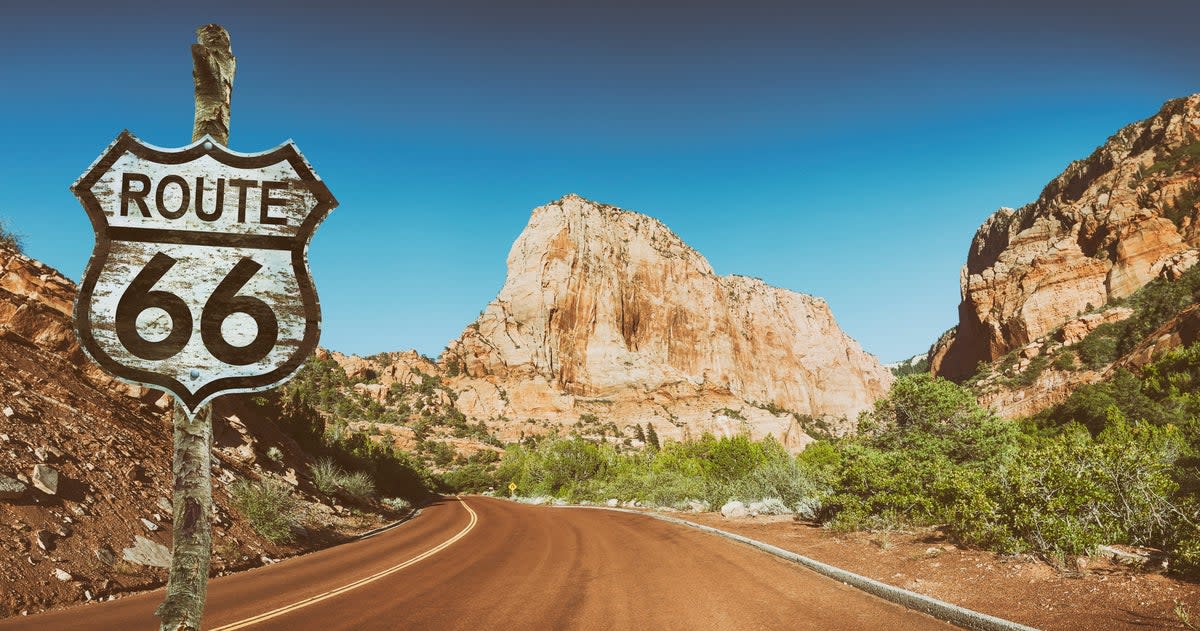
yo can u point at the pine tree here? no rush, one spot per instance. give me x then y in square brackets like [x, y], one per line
[651, 436]
[638, 433]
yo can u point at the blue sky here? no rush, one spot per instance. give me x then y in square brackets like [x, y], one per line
[848, 152]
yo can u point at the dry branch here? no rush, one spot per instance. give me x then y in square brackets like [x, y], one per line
[213, 67]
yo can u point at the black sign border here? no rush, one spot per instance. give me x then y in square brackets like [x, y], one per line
[127, 142]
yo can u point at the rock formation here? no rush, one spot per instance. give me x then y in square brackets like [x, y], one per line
[607, 312]
[1099, 231]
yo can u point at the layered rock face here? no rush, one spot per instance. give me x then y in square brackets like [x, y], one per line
[36, 304]
[607, 311]
[1099, 231]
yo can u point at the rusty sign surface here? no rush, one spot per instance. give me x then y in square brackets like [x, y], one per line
[199, 284]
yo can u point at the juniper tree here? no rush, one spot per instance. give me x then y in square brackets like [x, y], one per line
[651, 436]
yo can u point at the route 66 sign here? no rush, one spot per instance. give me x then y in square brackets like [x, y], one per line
[199, 284]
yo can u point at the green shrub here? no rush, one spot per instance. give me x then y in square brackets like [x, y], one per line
[1099, 348]
[731, 413]
[1153, 304]
[709, 469]
[1036, 367]
[930, 416]
[268, 506]
[921, 366]
[783, 478]
[358, 486]
[1166, 393]
[398, 504]
[1065, 360]
[878, 488]
[568, 463]
[1072, 493]
[330, 479]
[473, 477]
[326, 475]
[1184, 205]
[442, 452]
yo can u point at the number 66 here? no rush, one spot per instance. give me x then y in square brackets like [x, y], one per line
[223, 303]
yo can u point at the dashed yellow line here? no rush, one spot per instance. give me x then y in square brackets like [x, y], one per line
[312, 600]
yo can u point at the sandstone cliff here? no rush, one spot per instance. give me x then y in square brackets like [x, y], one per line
[607, 312]
[1099, 231]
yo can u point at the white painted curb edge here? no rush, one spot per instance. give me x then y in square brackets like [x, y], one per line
[937, 608]
[412, 512]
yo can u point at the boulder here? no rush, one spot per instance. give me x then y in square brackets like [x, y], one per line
[147, 552]
[48, 454]
[11, 489]
[769, 506]
[734, 509]
[105, 555]
[45, 479]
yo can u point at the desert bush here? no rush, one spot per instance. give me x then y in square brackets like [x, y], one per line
[921, 366]
[1153, 304]
[1074, 492]
[1099, 348]
[930, 416]
[326, 475]
[358, 486]
[708, 470]
[888, 488]
[783, 478]
[1065, 360]
[1086, 476]
[269, 507]
[10, 239]
[473, 477]
[398, 504]
[330, 479]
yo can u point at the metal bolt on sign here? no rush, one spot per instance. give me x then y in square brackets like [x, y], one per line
[199, 286]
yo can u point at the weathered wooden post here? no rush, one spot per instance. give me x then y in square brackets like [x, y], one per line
[199, 286]
[213, 67]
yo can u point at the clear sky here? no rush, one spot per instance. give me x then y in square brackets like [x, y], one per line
[848, 151]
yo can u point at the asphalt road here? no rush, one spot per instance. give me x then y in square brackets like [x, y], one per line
[483, 563]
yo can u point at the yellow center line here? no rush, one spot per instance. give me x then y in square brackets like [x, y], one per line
[312, 600]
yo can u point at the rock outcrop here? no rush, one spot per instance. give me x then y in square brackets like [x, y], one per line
[1099, 231]
[607, 312]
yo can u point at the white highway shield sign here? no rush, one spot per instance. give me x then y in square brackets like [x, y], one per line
[199, 284]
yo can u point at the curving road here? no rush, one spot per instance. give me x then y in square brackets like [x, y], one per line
[482, 563]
